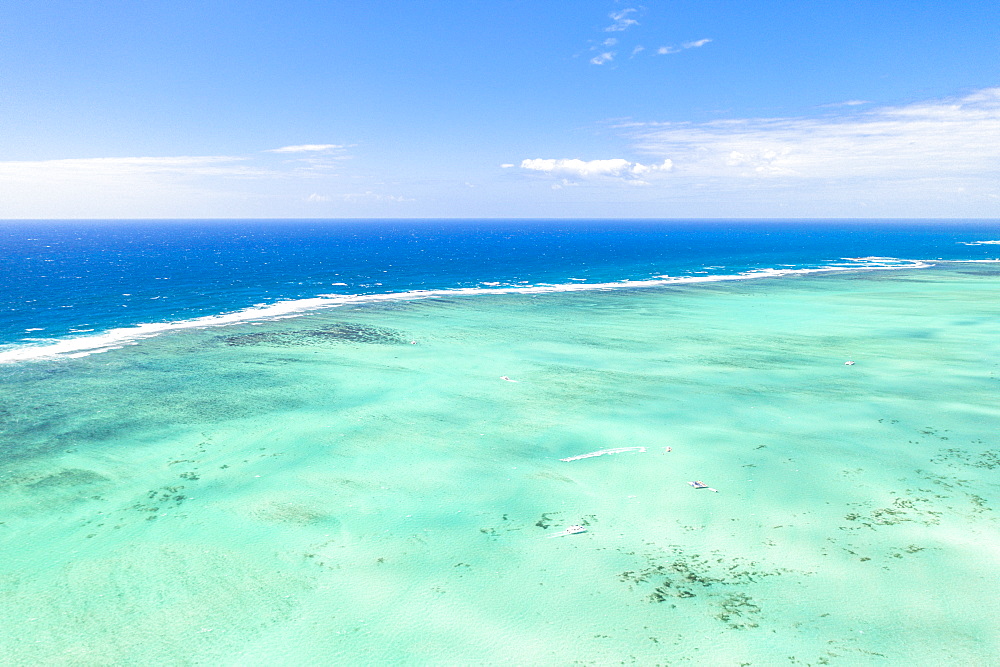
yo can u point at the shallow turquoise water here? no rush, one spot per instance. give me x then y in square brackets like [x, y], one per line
[318, 490]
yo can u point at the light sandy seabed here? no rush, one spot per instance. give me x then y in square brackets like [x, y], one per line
[318, 490]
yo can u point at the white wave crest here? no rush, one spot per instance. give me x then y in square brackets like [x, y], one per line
[116, 338]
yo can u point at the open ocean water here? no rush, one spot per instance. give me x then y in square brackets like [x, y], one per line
[259, 442]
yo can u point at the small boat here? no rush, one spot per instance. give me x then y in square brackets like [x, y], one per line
[572, 530]
[702, 485]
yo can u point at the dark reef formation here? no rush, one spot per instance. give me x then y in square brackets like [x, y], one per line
[342, 332]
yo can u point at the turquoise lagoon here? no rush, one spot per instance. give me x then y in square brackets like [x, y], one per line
[318, 490]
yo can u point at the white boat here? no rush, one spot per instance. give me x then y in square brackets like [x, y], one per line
[701, 485]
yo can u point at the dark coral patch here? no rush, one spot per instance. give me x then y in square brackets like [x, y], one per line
[342, 332]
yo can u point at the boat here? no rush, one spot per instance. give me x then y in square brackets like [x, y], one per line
[702, 485]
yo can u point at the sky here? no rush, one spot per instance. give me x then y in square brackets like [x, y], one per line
[499, 109]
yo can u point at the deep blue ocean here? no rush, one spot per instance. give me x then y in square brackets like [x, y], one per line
[70, 278]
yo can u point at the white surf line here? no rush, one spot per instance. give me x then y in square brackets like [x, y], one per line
[116, 338]
[616, 450]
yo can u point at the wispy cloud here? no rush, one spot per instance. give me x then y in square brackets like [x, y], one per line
[922, 140]
[848, 103]
[367, 196]
[665, 50]
[615, 168]
[76, 168]
[314, 159]
[152, 185]
[374, 196]
[696, 44]
[622, 20]
[312, 156]
[307, 148]
[605, 50]
[935, 158]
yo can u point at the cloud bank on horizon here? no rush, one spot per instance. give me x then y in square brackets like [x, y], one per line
[614, 168]
[936, 138]
[589, 114]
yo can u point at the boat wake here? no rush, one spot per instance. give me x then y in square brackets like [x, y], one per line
[616, 450]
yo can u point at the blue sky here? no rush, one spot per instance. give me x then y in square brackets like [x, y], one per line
[499, 108]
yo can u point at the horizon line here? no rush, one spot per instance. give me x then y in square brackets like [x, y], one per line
[510, 218]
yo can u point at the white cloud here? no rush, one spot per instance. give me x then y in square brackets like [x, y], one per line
[665, 50]
[696, 44]
[639, 49]
[306, 148]
[315, 197]
[848, 103]
[602, 58]
[585, 169]
[115, 167]
[610, 41]
[116, 187]
[622, 20]
[374, 196]
[313, 159]
[917, 141]
[143, 186]
[937, 158]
